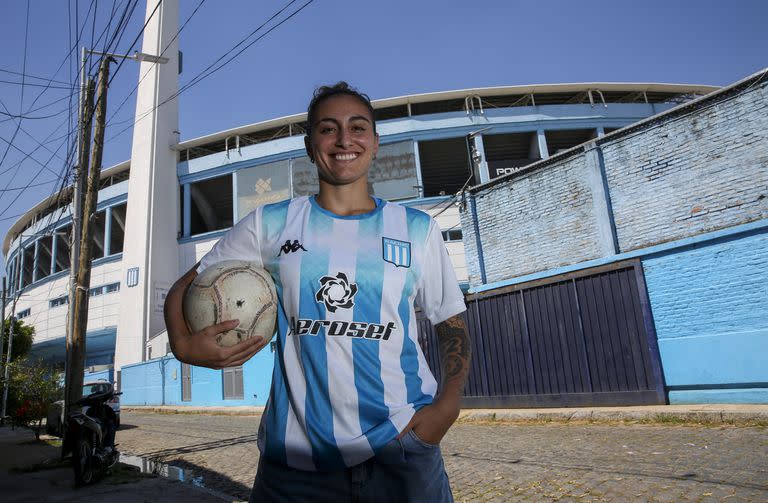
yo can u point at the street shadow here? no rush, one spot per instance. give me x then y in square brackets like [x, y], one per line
[214, 480]
[204, 446]
[124, 426]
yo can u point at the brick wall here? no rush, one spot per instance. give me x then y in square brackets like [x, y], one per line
[540, 220]
[696, 170]
[691, 174]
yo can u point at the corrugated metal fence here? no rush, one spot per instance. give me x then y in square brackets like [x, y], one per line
[580, 339]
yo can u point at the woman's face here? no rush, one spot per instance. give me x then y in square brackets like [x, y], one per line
[342, 143]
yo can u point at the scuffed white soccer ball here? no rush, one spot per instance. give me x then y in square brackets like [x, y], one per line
[233, 290]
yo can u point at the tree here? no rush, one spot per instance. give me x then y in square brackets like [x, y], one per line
[22, 339]
[32, 388]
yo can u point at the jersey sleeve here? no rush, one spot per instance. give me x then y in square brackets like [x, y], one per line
[241, 242]
[439, 295]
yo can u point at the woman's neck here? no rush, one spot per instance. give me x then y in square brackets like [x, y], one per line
[346, 200]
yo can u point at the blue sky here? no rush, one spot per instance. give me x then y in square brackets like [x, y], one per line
[386, 49]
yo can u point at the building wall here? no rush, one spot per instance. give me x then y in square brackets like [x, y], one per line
[158, 382]
[695, 175]
[51, 322]
[710, 307]
[679, 176]
[539, 220]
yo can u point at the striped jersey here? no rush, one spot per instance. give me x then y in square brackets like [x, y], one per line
[349, 372]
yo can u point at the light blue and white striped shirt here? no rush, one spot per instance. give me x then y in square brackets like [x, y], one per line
[349, 373]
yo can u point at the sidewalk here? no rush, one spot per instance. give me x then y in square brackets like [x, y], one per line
[31, 471]
[701, 413]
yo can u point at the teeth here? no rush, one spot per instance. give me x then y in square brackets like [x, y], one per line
[345, 157]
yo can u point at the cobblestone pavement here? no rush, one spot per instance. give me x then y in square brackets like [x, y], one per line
[503, 462]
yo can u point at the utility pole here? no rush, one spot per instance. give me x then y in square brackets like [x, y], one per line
[83, 280]
[73, 385]
[7, 364]
[2, 320]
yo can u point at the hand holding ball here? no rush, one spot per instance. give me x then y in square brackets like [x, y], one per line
[233, 290]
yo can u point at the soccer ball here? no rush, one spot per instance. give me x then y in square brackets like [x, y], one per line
[233, 290]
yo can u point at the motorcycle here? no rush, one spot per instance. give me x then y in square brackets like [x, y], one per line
[90, 437]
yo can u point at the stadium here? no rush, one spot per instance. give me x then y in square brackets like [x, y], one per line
[428, 143]
[545, 194]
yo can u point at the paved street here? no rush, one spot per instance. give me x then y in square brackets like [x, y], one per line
[503, 462]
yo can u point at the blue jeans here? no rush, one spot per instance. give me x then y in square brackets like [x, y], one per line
[405, 470]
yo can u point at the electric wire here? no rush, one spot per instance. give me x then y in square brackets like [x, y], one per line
[210, 70]
[114, 113]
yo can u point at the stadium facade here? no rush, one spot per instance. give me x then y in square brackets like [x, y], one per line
[160, 212]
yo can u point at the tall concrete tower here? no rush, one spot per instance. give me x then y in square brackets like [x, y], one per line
[150, 256]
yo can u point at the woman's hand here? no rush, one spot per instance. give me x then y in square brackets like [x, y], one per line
[431, 422]
[201, 349]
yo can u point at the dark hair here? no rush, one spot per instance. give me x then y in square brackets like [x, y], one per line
[340, 88]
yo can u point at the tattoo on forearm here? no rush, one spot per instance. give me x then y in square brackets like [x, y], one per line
[453, 342]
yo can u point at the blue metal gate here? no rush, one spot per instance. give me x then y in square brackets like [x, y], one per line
[581, 339]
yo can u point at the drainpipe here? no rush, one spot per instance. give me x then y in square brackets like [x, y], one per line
[478, 242]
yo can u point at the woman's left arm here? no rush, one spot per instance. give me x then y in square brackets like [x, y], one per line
[432, 422]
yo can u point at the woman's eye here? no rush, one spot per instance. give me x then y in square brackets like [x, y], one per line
[326, 130]
[358, 129]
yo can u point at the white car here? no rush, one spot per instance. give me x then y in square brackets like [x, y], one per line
[55, 419]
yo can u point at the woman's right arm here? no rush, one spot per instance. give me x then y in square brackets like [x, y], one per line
[200, 348]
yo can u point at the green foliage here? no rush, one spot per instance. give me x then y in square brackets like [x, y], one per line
[32, 388]
[22, 339]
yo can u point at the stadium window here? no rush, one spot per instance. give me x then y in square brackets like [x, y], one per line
[97, 242]
[264, 184]
[96, 291]
[43, 264]
[507, 153]
[444, 166]
[304, 176]
[59, 301]
[117, 229]
[211, 204]
[23, 314]
[27, 266]
[393, 172]
[561, 140]
[452, 235]
[62, 248]
[112, 287]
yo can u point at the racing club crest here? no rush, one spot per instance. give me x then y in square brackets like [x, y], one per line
[396, 252]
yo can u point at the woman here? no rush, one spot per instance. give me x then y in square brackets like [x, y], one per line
[353, 412]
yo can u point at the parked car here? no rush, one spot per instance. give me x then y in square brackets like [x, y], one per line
[55, 419]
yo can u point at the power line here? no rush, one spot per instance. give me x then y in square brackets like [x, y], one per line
[34, 77]
[21, 101]
[109, 121]
[210, 70]
[29, 84]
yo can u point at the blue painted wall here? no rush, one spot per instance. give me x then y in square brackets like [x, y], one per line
[710, 307]
[104, 375]
[158, 382]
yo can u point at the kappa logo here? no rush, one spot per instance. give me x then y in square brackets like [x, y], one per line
[289, 247]
[336, 292]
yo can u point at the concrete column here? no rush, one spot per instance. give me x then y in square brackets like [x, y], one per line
[543, 150]
[107, 231]
[54, 245]
[483, 167]
[187, 216]
[417, 160]
[153, 190]
[34, 263]
[601, 201]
